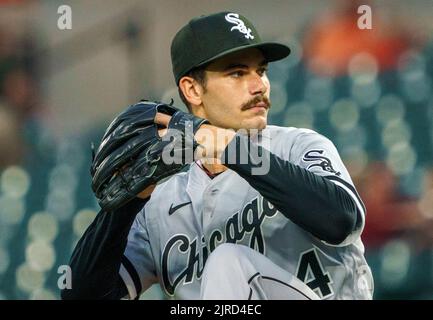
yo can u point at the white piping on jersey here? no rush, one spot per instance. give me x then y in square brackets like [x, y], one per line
[350, 192]
[128, 282]
[358, 231]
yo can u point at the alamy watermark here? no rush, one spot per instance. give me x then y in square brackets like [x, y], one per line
[65, 279]
[249, 147]
[365, 20]
[64, 22]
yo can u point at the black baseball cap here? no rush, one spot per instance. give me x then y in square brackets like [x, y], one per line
[209, 37]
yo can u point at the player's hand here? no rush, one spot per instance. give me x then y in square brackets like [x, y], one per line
[146, 192]
[213, 140]
[163, 120]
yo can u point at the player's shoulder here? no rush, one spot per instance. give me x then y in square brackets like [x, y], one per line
[274, 131]
[293, 135]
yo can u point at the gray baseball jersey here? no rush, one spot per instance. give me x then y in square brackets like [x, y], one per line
[189, 215]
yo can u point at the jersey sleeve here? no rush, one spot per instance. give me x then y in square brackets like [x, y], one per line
[137, 269]
[319, 155]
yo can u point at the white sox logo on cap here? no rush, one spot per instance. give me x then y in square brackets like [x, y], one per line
[239, 25]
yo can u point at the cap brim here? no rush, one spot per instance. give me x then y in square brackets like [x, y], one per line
[271, 50]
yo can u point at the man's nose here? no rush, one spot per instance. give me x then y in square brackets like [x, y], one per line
[257, 85]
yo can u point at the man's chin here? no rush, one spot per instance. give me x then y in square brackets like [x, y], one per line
[253, 124]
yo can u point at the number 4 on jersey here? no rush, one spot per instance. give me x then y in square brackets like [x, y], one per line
[311, 272]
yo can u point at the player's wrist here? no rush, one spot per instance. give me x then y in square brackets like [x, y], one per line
[212, 141]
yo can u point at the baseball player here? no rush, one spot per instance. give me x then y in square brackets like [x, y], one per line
[280, 221]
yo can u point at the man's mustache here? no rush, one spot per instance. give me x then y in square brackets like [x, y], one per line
[256, 100]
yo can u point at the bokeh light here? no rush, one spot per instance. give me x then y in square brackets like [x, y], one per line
[354, 137]
[71, 153]
[12, 210]
[411, 62]
[61, 203]
[416, 87]
[42, 226]
[390, 108]
[395, 263]
[344, 114]
[394, 133]
[401, 158]
[299, 115]
[29, 279]
[64, 178]
[319, 92]
[363, 66]
[365, 91]
[40, 255]
[415, 84]
[15, 182]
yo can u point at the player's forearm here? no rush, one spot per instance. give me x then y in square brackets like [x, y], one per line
[96, 259]
[311, 201]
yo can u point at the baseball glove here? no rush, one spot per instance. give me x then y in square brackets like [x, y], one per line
[131, 154]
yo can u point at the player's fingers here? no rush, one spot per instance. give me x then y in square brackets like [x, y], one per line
[146, 192]
[162, 119]
[162, 132]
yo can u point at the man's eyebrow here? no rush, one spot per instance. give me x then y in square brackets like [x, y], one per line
[242, 66]
[235, 66]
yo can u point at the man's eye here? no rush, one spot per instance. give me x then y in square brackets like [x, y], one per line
[236, 74]
[262, 71]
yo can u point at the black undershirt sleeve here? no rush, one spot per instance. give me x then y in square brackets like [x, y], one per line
[96, 259]
[311, 201]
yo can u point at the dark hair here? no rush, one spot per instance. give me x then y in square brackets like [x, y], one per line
[199, 75]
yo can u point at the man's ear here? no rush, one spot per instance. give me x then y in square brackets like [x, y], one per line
[191, 90]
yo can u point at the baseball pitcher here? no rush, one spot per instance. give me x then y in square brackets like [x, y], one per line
[216, 203]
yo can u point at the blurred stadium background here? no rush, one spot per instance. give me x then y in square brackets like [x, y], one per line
[369, 91]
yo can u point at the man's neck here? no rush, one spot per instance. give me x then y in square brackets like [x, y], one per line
[214, 168]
